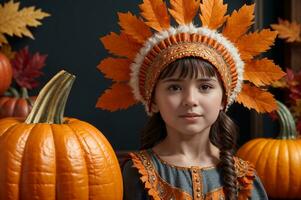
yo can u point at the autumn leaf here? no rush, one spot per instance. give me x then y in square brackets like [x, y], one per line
[27, 68]
[16, 22]
[262, 72]
[213, 13]
[117, 69]
[183, 11]
[155, 13]
[134, 27]
[239, 22]
[253, 44]
[255, 98]
[287, 30]
[120, 96]
[121, 45]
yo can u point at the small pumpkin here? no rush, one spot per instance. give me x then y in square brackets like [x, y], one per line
[6, 73]
[277, 161]
[50, 157]
[16, 105]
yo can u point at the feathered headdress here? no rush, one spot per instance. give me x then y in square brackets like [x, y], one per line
[145, 47]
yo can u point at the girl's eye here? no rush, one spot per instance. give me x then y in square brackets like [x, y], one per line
[205, 87]
[174, 88]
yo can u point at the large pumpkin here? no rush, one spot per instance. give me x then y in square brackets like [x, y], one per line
[51, 157]
[277, 161]
[16, 105]
[6, 73]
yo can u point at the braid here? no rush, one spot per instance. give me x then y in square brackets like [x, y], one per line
[223, 135]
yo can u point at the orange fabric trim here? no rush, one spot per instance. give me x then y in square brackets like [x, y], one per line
[245, 172]
[197, 183]
[157, 188]
[167, 191]
[145, 176]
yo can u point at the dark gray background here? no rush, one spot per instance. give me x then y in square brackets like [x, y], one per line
[70, 37]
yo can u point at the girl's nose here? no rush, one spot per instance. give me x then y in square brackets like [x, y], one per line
[190, 98]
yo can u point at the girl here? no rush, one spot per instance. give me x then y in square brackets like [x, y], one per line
[187, 77]
[189, 142]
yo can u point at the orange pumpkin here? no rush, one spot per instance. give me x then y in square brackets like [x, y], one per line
[277, 161]
[16, 105]
[48, 156]
[6, 73]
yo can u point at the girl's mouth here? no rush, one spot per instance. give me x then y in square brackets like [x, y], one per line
[191, 117]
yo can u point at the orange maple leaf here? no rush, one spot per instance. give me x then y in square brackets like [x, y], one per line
[262, 72]
[252, 44]
[155, 12]
[120, 96]
[239, 22]
[253, 97]
[184, 11]
[213, 13]
[134, 27]
[289, 31]
[121, 45]
[117, 69]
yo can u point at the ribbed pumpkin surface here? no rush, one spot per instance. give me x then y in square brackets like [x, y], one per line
[66, 161]
[51, 157]
[14, 107]
[277, 161]
[278, 164]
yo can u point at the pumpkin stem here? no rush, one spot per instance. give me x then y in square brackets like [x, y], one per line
[24, 93]
[12, 92]
[50, 104]
[287, 123]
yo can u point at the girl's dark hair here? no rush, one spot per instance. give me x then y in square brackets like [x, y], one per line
[223, 132]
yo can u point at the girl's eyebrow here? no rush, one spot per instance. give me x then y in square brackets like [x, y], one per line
[205, 79]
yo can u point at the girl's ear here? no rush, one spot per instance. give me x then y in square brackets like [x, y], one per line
[223, 104]
[222, 107]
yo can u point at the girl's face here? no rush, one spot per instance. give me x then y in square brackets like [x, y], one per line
[188, 105]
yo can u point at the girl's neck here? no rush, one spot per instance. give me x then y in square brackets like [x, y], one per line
[196, 150]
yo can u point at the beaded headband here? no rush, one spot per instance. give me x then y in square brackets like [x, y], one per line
[145, 47]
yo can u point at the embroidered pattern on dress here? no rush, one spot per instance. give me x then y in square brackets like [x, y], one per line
[159, 189]
[245, 173]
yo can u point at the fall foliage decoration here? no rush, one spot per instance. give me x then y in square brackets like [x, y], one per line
[6, 73]
[148, 43]
[15, 22]
[290, 85]
[48, 156]
[26, 69]
[277, 161]
[290, 31]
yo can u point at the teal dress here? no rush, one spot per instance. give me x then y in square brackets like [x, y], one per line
[146, 176]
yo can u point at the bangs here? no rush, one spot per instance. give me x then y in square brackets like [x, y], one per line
[189, 68]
